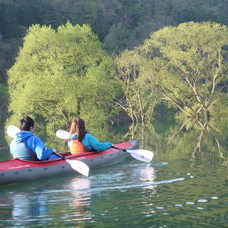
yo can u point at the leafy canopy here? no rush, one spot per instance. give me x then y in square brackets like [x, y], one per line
[60, 73]
[191, 68]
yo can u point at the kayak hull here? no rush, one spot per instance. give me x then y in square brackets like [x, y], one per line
[17, 170]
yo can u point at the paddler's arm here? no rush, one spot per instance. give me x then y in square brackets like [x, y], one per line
[96, 144]
[43, 153]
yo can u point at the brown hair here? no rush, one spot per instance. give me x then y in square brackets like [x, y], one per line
[26, 122]
[78, 127]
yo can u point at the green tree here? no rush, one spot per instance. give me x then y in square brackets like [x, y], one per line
[117, 39]
[189, 70]
[61, 74]
[190, 67]
[184, 67]
[137, 101]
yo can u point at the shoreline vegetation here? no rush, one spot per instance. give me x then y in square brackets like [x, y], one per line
[138, 69]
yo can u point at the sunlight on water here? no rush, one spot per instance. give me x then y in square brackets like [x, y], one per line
[158, 194]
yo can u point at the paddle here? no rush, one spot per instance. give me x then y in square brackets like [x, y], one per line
[77, 165]
[139, 154]
[12, 131]
[62, 134]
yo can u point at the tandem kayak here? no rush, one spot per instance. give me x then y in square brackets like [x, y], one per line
[17, 170]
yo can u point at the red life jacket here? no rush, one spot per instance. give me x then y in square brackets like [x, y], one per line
[76, 147]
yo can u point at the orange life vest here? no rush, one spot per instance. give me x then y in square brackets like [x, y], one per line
[76, 147]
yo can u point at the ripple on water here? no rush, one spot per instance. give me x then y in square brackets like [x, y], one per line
[159, 163]
[160, 208]
[178, 205]
[189, 203]
[214, 197]
[202, 201]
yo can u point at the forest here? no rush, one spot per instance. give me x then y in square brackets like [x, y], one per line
[145, 69]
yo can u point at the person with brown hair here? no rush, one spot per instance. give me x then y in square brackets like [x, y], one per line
[81, 140]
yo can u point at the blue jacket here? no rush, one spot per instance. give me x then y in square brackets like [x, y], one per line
[30, 147]
[91, 143]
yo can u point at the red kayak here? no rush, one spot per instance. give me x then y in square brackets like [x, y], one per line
[17, 170]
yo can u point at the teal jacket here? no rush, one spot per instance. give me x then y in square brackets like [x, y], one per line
[30, 147]
[91, 143]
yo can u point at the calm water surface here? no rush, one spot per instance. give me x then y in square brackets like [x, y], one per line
[130, 194]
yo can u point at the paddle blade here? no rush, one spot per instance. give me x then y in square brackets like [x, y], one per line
[63, 134]
[79, 166]
[12, 131]
[141, 155]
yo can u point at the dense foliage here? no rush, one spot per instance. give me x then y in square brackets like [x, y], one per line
[117, 62]
[120, 23]
[61, 74]
[185, 68]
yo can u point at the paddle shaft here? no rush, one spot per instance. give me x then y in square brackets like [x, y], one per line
[124, 150]
[78, 166]
[60, 156]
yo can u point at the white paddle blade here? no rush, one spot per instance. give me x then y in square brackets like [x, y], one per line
[12, 131]
[63, 134]
[79, 166]
[142, 155]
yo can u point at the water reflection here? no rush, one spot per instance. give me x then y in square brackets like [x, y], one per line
[81, 197]
[37, 208]
[27, 209]
[130, 194]
[145, 176]
[199, 147]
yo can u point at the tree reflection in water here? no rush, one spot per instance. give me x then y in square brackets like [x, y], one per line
[200, 147]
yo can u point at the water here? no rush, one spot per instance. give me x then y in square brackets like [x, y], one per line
[131, 194]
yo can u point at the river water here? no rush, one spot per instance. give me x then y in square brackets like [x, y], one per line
[129, 194]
